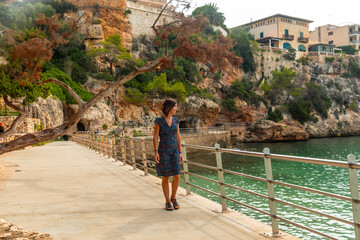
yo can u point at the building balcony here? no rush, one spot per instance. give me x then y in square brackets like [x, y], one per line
[354, 42]
[288, 37]
[354, 33]
[303, 39]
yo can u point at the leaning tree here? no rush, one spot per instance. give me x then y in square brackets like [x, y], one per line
[27, 52]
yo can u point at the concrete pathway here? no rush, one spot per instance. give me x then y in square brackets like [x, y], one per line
[71, 192]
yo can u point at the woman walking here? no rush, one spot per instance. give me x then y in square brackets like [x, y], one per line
[168, 152]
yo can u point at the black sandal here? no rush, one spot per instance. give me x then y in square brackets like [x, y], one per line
[175, 204]
[168, 206]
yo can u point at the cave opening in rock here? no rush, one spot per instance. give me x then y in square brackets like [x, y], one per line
[184, 124]
[80, 127]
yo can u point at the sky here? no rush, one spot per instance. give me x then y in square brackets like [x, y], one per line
[321, 12]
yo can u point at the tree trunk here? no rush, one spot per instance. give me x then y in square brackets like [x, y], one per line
[69, 126]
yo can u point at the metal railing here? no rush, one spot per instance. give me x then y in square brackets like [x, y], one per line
[124, 149]
[184, 131]
[303, 39]
[288, 37]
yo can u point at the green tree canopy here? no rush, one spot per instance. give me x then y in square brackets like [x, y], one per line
[161, 88]
[244, 48]
[282, 81]
[111, 51]
[211, 11]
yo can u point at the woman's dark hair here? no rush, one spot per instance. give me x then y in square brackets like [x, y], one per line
[167, 106]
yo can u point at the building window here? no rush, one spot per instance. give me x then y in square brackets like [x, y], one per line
[286, 32]
[262, 35]
[331, 42]
[301, 35]
[331, 33]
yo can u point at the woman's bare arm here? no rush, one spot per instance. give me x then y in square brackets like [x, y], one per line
[156, 141]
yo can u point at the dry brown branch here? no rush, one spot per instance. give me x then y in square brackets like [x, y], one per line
[69, 126]
[64, 85]
[22, 115]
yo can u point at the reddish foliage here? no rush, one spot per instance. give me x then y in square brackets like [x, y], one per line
[37, 50]
[191, 46]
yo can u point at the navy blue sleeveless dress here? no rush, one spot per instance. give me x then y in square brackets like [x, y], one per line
[169, 163]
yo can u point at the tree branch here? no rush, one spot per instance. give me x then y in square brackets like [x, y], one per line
[22, 115]
[158, 17]
[68, 126]
[64, 85]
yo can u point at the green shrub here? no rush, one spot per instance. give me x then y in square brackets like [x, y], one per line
[303, 60]
[161, 88]
[340, 125]
[59, 91]
[352, 105]
[229, 104]
[329, 59]
[244, 48]
[217, 76]
[354, 68]
[104, 76]
[291, 54]
[105, 126]
[127, 12]
[134, 95]
[78, 74]
[348, 49]
[319, 99]
[300, 110]
[275, 116]
[244, 90]
[345, 75]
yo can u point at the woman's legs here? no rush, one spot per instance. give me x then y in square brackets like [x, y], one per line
[165, 187]
[174, 186]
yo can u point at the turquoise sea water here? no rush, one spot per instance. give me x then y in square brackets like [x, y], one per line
[325, 178]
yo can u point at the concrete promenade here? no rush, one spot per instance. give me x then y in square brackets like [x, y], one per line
[72, 192]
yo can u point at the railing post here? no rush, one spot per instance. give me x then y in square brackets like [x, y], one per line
[114, 152]
[221, 178]
[354, 189]
[91, 140]
[108, 147]
[271, 193]
[144, 156]
[186, 168]
[123, 150]
[102, 144]
[132, 153]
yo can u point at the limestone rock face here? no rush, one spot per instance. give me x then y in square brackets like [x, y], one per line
[198, 112]
[2, 61]
[12, 231]
[265, 130]
[347, 124]
[49, 111]
[95, 117]
[95, 31]
[95, 86]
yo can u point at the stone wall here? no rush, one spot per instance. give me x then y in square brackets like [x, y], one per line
[142, 17]
[109, 3]
[27, 126]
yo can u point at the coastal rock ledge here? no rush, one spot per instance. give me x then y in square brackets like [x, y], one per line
[269, 131]
[9, 231]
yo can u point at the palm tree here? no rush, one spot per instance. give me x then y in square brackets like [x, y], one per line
[211, 11]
